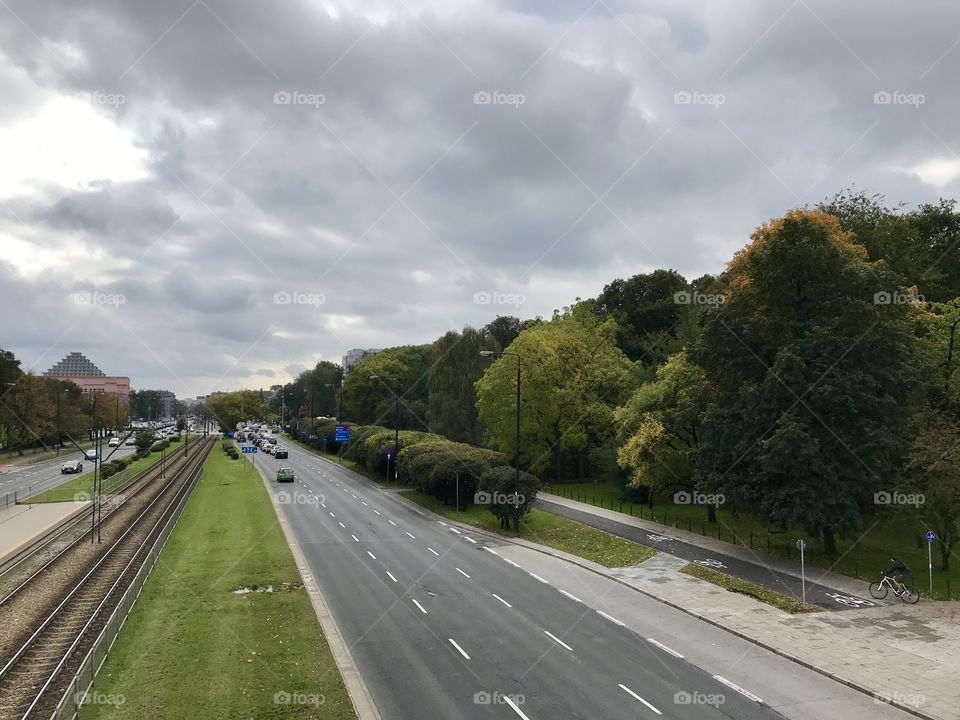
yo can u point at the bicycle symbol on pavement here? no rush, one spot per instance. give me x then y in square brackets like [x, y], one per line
[850, 600]
[659, 538]
[710, 562]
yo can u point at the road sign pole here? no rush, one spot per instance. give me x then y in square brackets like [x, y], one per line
[931, 536]
[803, 579]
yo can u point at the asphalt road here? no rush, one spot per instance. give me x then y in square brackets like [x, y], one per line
[790, 585]
[441, 625]
[44, 475]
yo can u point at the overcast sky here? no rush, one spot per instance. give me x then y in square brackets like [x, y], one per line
[208, 195]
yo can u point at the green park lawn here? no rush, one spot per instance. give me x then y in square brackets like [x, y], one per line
[546, 529]
[194, 648]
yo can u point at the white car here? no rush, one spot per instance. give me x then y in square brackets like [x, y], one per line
[114, 442]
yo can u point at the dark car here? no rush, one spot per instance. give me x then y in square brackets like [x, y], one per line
[71, 466]
[280, 452]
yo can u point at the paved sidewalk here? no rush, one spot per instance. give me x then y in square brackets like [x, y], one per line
[908, 654]
[22, 524]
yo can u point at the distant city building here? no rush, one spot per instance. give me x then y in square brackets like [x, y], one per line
[354, 356]
[76, 368]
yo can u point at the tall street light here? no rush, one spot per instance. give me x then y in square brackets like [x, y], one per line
[516, 492]
[396, 430]
[340, 414]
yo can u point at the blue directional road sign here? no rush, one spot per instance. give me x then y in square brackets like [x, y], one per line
[312, 437]
[342, 434]
[248, 449]
[931, 536]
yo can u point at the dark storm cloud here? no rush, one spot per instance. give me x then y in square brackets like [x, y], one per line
[314, 183]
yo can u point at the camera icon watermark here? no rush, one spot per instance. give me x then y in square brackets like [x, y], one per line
[96, 97]
[285, 97]
[914, 700]
[896, 297]
[695, 97]
[696, 498]
[498, 298]
[483, 497]
[685, 297]
[496, 698]
[295, 297]
[298, 698]
[89, 697]
[495, 97]
[895, 97]
[297, 498]
[682, 697]
[95, 297]
[898, 498]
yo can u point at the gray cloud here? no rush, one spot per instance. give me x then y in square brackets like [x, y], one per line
[397, 199]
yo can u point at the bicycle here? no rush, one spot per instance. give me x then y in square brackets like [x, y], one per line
[907, 592]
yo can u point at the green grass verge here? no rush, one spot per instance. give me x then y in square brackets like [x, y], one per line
[757, 592]
[80, 486]
[861, 556]
[192, 648]
[546, 529]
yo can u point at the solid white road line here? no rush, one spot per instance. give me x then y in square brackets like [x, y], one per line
[739, 689]
[470, 539]
[637, 697]
[411, 535]
[463, 573]
[390, 575]
[419, 606]
[433, 551]
[557, 640]
[512, 704]
[355, 538]
[611, 618]
[572, 597]
[502, 600]
[372, 556]
[459, 649]
[664, 647]
[537, 577]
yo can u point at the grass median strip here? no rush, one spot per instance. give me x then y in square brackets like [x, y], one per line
[223, 628]
[546, 529]
[757, 592]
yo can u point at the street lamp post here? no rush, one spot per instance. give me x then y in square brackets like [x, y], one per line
[396, 431]
[340, 414]
[516, 492]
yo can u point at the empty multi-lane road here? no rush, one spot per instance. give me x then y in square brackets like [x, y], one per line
[444, 622]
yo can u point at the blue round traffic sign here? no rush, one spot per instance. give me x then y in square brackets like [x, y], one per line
[931, 536]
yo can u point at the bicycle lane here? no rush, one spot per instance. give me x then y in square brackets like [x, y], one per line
[822, 596]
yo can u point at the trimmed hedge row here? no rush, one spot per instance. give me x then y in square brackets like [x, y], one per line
[432, 464]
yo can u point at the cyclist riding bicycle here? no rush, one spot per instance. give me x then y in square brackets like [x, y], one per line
[898, 572]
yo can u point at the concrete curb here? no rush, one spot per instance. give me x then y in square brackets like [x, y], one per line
[357, 690]
[594, 568]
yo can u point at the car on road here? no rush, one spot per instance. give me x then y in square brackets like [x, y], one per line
[280, 452]
[285, 474]
[267, 449]
[71, 466]
[91, 455]
[114, 442]
[130, 441]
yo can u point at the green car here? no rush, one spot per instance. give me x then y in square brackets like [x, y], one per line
[285, 475]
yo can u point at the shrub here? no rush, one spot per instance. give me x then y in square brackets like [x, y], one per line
[496, 489]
